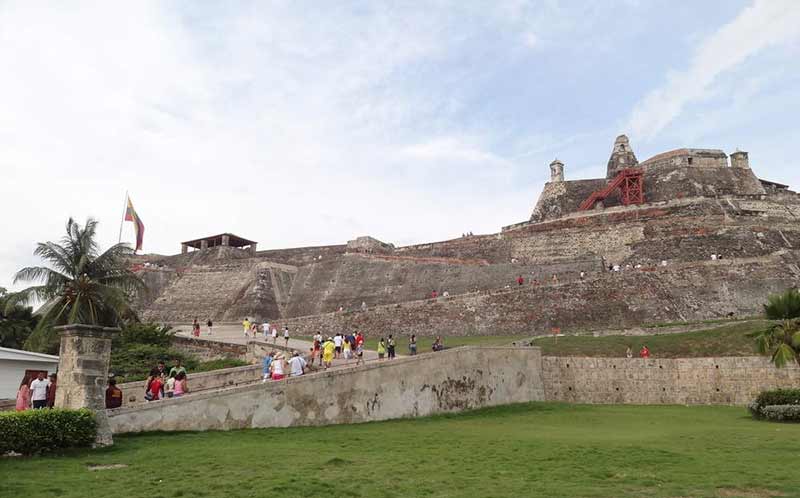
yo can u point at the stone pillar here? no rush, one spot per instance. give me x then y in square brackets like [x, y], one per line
[204, 244]
[556, 171]
[83, 363]
[253, 248]
[184, 248]
[226, 240]
[739, 159]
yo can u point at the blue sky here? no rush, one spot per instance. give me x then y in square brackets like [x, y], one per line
[300, 123]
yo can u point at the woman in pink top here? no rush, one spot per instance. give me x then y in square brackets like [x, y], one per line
[180, 385]
[24, 395]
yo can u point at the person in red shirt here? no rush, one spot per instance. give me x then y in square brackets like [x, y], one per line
[434, 294]
[644, 353]
[520, 280]
[154, 385]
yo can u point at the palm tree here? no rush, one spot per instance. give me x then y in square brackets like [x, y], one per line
[781, 340]
[79, 285]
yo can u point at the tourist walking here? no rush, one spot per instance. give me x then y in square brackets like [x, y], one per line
[39, 391]
[246, 326]
[359, 348]
[265, 329]
[337, 342]
[286, 335]
[210, 326]
[113, 394]
[412, 345]
[520, 280]
[51, 391]
[195, 327]
[347, 350]
[297, 365]
[438, 344]
[628, 352]
[328, 350]
[265, 366]
[381, 349]
[277, 367]
[274, 335]
[24, 394]
[390, 346]
[644, 352]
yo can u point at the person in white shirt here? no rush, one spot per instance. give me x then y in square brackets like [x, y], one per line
[297, 365]
[277, 367]
[39, 391]
[286, 335]
[274, 335]
[266, 330]
[337, 342]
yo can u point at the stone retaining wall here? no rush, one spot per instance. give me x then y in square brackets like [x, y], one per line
[133, 392]
[725, 381]
[453, 380]
[207, 350]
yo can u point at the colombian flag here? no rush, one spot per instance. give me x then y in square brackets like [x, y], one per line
[130, 215]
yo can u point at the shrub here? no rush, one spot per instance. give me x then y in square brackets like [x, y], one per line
[135, 361]
[784, 306]
[777, 397]
[781, 413]
[36, 431]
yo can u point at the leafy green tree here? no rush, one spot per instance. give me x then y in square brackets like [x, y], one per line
[782, 340]
[79, 285]
[16, 322]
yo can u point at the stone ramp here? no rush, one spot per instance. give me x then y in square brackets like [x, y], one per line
[453, 380]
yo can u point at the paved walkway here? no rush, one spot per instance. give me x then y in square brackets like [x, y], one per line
[235, 335]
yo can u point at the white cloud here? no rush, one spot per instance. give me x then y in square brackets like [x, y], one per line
[764, 24]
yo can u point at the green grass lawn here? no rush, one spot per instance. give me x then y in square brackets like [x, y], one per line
[728, 340]
[530, 450]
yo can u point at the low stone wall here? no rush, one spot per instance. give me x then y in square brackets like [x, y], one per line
[207, 350]
[726, 381]
[133, 392]
[454, 380]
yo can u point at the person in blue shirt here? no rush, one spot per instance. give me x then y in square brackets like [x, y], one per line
[266, 364]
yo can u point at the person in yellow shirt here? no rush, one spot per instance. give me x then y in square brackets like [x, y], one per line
[246, 326]
[327, 352]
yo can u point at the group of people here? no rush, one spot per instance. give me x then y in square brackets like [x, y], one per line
[275, 366]
[36, 392]
[163, 383]
[251, 329]
[643, 353]
[196, 327]
[338, 346]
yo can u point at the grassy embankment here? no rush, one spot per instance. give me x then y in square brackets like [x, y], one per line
[532, 450]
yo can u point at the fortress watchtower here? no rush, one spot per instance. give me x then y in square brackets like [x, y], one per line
[621, 157]
[556, 171]
[739, 159]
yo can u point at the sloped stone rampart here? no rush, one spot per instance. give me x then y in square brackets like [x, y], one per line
[688, 291]
[450, 381]
[691, 381]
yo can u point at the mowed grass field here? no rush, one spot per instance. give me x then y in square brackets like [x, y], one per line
[529, 450]
[726, 340]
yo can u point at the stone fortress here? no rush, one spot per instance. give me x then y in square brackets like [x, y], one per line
[660, 221]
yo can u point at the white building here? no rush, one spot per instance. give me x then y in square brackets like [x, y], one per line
[14, 363]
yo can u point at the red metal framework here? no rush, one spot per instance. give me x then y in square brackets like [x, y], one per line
[629, 181]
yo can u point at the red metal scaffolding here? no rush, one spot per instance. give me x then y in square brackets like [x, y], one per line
[629, 181]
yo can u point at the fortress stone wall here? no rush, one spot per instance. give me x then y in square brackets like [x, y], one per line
[697, 205]
[690, 381]
[687, 291]
[455, 380]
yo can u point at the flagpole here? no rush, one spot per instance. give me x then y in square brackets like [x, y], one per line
[124, 210]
